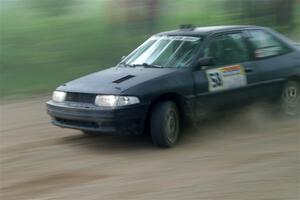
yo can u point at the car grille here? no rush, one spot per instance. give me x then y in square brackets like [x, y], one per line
[80, 97]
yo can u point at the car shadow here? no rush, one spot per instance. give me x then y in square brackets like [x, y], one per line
[228, 124]
[108, 142]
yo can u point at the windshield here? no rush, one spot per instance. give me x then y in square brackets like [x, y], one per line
[165, 51]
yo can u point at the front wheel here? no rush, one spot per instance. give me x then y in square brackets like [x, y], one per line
[165, 124]
[290, 98]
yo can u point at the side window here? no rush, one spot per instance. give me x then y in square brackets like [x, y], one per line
[266, 45]
[228, 49]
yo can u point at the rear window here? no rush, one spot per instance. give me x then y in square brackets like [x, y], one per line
[266, 45]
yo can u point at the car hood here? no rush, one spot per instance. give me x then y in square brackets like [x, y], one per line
[114, 80]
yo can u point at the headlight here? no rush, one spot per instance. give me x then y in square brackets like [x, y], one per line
[59, 96]
[115, 101]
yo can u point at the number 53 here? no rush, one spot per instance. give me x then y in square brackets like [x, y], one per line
[216, 80]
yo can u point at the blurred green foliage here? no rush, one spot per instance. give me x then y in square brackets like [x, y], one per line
[46, 43]
[51, 7]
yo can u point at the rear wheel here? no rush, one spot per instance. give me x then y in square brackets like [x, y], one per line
[290, 98]
[165, 124]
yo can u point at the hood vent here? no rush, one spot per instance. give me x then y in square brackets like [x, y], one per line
[120, 80]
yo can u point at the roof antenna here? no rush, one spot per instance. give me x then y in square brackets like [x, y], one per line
[187, 26]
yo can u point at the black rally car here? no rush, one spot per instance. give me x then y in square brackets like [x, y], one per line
[182, 74]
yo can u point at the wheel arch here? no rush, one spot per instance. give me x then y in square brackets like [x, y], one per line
[293, 78]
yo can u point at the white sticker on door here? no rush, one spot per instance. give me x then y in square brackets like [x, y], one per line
[225, 78]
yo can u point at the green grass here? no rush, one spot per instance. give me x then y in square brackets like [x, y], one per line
[40, 50]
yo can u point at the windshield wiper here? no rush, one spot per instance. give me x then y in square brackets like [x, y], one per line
[146, 65]
[125, 64]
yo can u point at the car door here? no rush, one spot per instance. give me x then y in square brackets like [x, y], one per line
[224, 84]
[273, 61]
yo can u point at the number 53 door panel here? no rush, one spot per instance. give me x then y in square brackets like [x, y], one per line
[223, 87]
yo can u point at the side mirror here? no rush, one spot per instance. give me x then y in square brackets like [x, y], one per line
[203, 63]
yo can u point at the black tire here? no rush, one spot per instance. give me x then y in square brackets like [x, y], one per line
[165, 124]
[290, 98]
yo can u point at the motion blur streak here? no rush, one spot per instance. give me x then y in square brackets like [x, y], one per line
[47, 42]
[43, 43]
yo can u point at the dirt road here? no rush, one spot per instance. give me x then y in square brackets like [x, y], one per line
[246, 156]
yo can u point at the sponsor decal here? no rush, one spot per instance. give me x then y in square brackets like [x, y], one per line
[267, 52]
[225, 78]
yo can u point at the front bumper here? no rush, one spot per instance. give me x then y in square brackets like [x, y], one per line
[88, 117]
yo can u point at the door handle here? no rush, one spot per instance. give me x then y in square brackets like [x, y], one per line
[249, 70]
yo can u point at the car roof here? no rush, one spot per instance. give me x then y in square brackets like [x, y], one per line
[206, 30]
